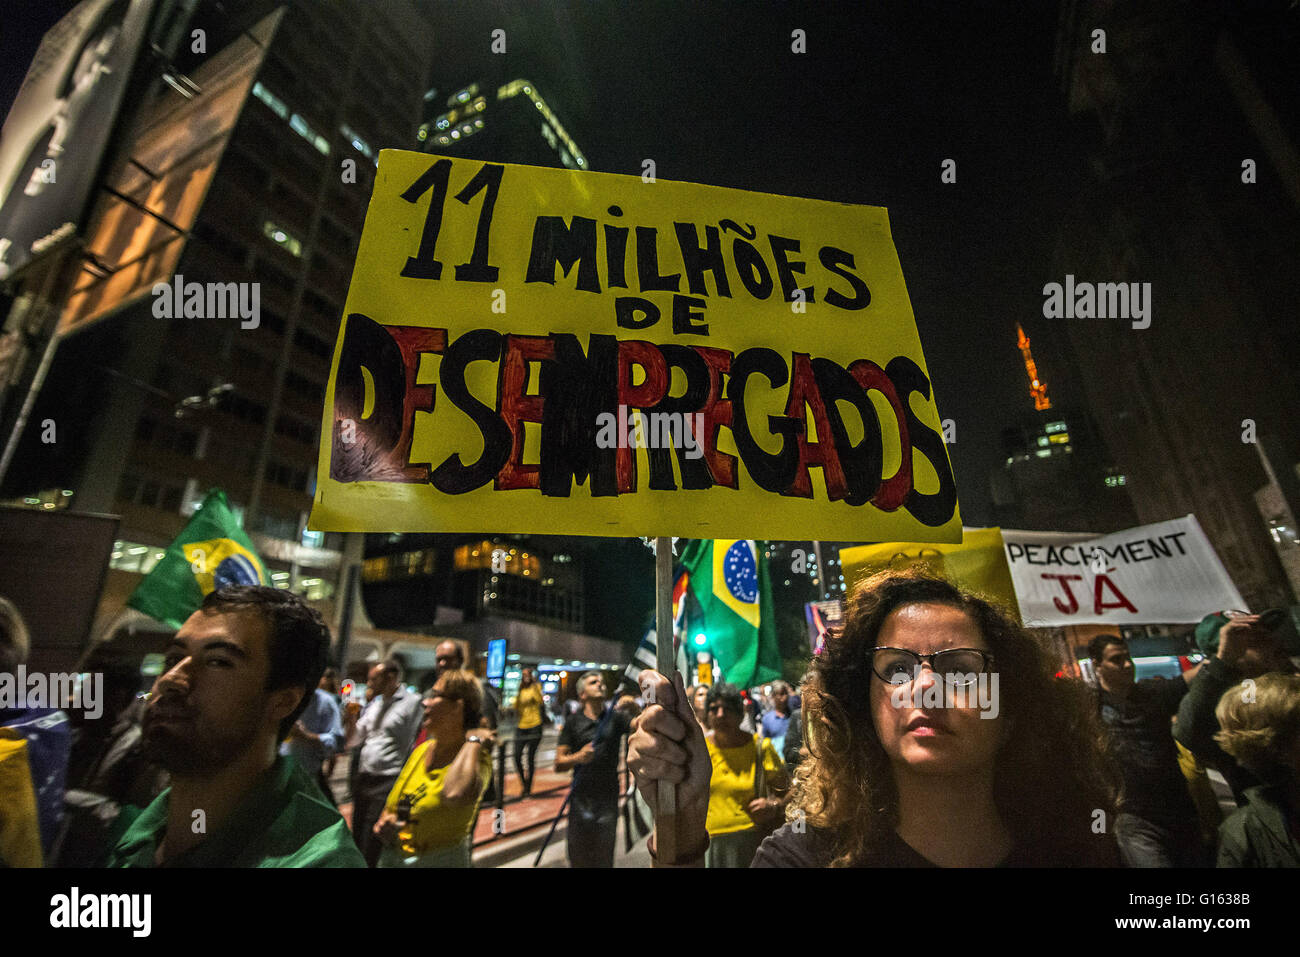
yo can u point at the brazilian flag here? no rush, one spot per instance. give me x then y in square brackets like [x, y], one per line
[211, 552]
[731, 582]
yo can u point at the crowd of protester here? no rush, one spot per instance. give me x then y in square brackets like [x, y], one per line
[1059, 773]
[883, 756]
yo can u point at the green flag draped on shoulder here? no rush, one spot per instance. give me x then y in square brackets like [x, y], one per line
[211, 552]
[731, 582]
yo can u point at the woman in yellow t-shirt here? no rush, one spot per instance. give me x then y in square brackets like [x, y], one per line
[429, 813]
[529, 708]
[739, 816]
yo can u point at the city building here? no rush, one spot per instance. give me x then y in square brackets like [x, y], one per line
[1056, 476]
[151, 410]
[510, 122]
[1186, 126]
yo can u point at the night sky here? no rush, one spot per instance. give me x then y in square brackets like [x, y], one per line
[713, 94]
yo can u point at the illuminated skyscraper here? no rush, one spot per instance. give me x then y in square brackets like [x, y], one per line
[1037, 388]
[509, 124]
[1057, 475]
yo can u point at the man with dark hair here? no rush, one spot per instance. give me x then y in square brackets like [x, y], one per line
[387, 730]
[775, 722]
[589, 746]
[236, 677]
[1237, 646]
[1156, 824]
[451, 657]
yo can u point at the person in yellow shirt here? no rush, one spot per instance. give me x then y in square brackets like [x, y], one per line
[429, 813]
[529, 707]
[741, 811]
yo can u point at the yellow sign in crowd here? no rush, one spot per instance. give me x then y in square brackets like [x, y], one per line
[553, 351]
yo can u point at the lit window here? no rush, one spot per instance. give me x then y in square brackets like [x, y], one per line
[360, 145]
[303, 129]
[282, 238]
[271, 100]
[1043, 441]
[1043, 453]
[1060, 438]
[1053, 427]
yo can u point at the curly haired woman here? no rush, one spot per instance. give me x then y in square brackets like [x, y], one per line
[937, 736]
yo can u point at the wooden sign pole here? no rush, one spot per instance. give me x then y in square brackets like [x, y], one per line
[666, 665]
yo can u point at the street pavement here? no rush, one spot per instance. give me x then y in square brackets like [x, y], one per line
[511, 836]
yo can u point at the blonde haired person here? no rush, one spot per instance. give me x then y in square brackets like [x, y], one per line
[1259, 722]
[429, 813]
[530, 711]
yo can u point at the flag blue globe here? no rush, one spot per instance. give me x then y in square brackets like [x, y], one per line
[740, 572]
[235, 570]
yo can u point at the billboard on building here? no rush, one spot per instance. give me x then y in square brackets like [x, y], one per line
[54, 137]
[139, 226]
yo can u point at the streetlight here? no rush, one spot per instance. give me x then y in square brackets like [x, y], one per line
[209, 401]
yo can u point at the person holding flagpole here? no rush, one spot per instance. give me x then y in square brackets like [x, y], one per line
[898, 776]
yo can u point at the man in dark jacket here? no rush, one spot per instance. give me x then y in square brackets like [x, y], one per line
[1238, 645]
[1156, 825]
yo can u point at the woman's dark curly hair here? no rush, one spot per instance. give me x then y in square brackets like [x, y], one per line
[1051, 774]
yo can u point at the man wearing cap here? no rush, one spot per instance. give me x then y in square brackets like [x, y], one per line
[1237, 646]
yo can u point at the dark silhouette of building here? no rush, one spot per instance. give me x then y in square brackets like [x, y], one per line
[152, 411]
[1185, 129]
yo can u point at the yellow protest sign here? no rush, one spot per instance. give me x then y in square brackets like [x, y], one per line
[978, 564]
[553, 351]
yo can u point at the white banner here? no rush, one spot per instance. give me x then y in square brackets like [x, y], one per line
[1166, 573]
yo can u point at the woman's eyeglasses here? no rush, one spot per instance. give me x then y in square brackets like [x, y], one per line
[958, 666]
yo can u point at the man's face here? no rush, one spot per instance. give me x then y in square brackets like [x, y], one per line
[1262, 649]
[526, 677]
[449, 656]
[593, 689]
[1115, 669]
[380, 682]
[701, 695]
[780, 699]
[211, 704]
